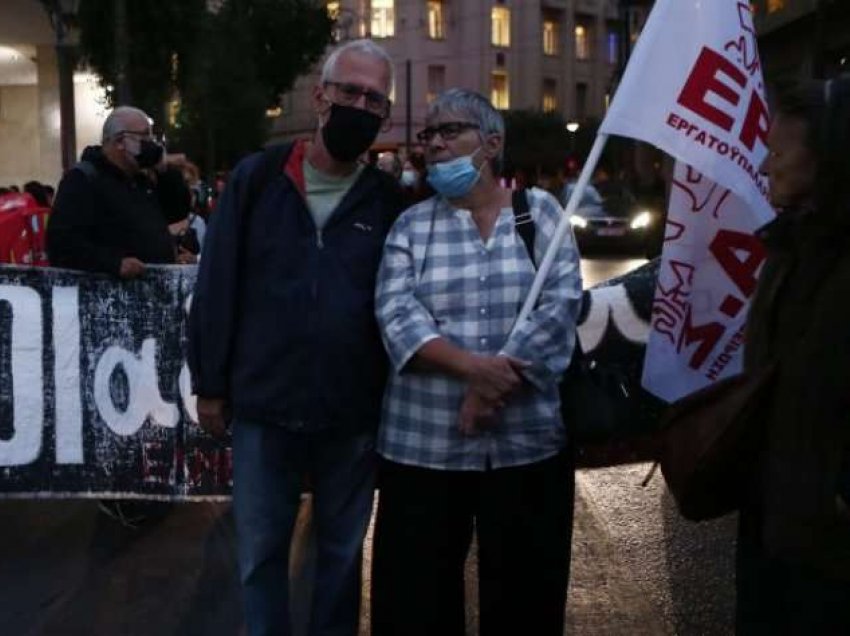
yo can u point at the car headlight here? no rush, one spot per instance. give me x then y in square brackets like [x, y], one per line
[642, 220]
[578, 221]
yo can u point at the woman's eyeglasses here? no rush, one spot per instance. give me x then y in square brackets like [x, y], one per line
[447, 131]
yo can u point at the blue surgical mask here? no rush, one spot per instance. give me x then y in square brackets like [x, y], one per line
[454, 178]
[408, 178]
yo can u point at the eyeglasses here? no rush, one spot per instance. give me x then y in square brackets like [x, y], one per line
[348, 94]
[447, 131]
[144, 134]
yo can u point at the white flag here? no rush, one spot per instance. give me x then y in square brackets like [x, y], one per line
[694, 88]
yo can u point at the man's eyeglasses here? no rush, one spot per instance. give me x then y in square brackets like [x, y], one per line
[447, 131]
[348, 94]
[144, 134]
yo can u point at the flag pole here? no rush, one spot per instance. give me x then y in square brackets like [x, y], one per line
[563, 227]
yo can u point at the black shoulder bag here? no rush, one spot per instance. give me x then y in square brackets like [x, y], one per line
[596, 404]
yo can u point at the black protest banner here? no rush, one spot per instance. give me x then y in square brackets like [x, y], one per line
[94, 390]
[613, 328]
[95, 398]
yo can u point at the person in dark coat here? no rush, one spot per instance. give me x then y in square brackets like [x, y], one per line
[793, 565]
[109, 215]
[283, 338]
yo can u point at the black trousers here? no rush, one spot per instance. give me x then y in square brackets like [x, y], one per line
[522, 517]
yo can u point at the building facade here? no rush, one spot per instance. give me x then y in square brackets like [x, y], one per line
[803, 38]
[550, 55]
[30, 144]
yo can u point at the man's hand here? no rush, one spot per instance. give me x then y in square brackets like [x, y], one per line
[175, 160]
[185, 257]
[494, 377]
[211, 416]
[131, 267]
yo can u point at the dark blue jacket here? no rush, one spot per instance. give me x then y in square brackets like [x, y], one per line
[100, 219]
[282, 322]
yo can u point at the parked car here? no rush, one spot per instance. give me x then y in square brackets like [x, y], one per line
[609, 217]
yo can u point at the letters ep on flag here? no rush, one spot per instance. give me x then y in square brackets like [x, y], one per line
[694, 88]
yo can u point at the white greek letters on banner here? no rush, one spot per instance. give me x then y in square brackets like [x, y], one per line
[95, 397]
[23, 326]
[143, 401]
[611, 305]
[66, 347]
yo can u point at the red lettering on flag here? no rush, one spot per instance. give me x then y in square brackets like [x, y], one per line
[756, 123]
[726, 246]
[707, 335]
[704, 80]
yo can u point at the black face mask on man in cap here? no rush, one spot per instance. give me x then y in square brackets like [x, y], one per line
[150, 153]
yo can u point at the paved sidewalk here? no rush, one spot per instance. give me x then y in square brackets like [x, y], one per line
[67, 569]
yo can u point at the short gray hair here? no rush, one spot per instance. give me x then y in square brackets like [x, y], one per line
[363, 47]
[116, 122]
[472, 107]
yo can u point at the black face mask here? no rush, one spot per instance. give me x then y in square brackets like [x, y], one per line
[150, 153]
[349, 132]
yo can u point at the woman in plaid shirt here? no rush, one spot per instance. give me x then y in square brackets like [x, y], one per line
[471, 433]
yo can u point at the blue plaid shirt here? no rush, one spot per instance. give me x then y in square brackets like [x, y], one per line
[439, 279]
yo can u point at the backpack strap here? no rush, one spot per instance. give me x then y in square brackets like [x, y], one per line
[523, 222]
[270, 165]
[524, 225]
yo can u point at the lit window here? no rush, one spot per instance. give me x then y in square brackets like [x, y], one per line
[174, 113]
[499, 91]
[613, 47]
[436, 20]
[436, 82]
[775, 5]
[383, 18]
[582, 42]
[501, 20]
[550, 37]
[339, 30]
[550, 96]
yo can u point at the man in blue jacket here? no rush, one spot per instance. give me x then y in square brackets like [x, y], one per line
[284, 342]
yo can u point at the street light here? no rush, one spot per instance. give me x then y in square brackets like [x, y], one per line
[572, 128]
[62, 14]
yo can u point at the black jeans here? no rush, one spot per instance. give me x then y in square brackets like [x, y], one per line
[522, 517]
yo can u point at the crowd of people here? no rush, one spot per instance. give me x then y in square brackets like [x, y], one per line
[367, 338]
[119, 207]
[41, 193]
